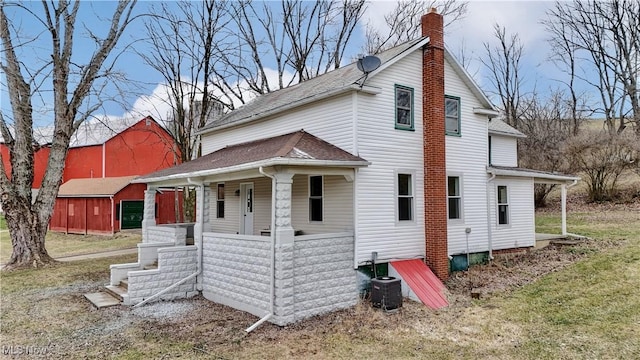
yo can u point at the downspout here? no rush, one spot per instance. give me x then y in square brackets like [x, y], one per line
[273, 251]
[201, 251]
[489, 236]
[201, 235]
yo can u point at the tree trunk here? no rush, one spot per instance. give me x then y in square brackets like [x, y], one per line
[27, 235]
[189, 204]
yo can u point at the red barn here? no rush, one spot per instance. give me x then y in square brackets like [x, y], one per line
[104, 206]
[111, 149]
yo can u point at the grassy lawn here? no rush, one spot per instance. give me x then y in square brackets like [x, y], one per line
[590, 309]
[59, 244]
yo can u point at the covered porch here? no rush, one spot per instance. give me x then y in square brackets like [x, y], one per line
[541, 177]
[274, 230]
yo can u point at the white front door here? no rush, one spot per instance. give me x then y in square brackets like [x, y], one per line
[246, 208]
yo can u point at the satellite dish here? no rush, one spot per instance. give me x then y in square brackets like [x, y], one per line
[368, 63]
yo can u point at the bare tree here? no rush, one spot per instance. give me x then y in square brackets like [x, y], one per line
[304, 39]
[603, 159]
[403, 22]
[183, 48]
[549, 125]
[503, 63]
[72, 84]
[606, 39]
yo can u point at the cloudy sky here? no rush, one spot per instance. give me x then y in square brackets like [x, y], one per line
[521, 17]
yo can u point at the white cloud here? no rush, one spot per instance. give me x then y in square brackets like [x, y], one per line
[159, 104]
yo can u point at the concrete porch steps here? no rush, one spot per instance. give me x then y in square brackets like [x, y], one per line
[151, 266]
[102, 299]
[116, 291]
[111, 296]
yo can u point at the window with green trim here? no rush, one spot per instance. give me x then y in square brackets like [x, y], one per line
[404, 107]
[452, 115]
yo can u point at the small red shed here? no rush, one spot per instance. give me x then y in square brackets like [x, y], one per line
[105, 206]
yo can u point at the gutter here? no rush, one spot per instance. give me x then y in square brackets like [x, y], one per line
[489, 231]
[253, 165]
[273, 253]
[200, 252]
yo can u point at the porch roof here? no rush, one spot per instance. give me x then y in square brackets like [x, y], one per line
[296, 148]
[538, 176]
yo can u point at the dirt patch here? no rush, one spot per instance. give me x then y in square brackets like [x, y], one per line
[510, 271]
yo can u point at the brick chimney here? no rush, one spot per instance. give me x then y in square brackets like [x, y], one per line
[435, 169]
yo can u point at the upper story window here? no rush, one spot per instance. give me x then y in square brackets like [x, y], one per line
[405, 197]
[454, 198]
[503, 205]
[220, 202]
[404, 107]
[452, 115]
[315, 198]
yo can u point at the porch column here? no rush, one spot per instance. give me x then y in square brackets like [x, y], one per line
[284, 236]
[149, 212]
[563, 191]
[202, 224]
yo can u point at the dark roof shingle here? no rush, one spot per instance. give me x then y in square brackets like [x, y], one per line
[295, 145]
[308, 90]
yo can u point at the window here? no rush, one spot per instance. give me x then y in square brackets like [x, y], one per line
[452, 115]
[503, 205]
[220, 202]
[454, 197]
[315, 198]
[405, 197]
[404, 107]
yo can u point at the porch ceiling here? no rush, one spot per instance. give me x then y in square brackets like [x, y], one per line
[294, 149]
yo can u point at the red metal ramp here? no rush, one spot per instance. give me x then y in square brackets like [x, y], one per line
[422, 281]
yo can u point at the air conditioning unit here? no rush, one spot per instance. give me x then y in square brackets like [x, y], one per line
[386, 293]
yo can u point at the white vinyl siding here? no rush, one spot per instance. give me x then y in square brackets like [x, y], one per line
[230, 224]
[337, 203]
[390, 151]
[521, 229]
[504, 150]
[328, 119]
[467, 157]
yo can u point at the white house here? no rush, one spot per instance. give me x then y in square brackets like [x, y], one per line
[300, 190]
